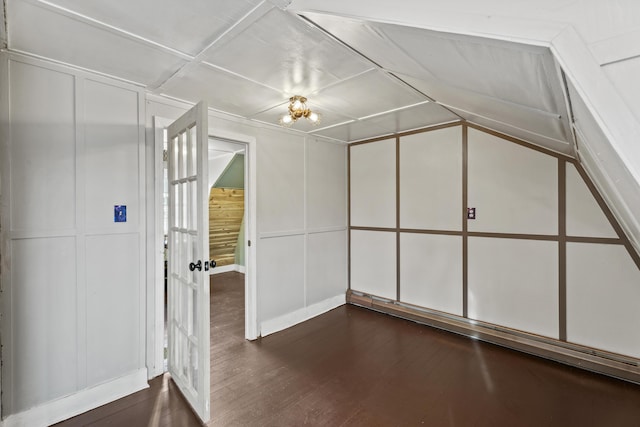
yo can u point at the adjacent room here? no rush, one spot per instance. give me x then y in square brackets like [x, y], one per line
[286, 212]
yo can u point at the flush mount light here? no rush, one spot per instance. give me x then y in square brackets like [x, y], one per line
[298, 109]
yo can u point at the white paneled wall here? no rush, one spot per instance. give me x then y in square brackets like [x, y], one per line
[513, 188]
[584, 216]
[431, 271]
[326, 266]
[281, 185]
[603, 290]
[113, 303]
[43, 127]
[515, 265]
[111, 155]
[281, 280]
[514, 283]
[45, 350]
[302, 268]
[431, 180]
[373, 184]
[373, 262]
[73, 324]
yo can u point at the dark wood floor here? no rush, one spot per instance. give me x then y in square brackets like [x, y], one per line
[355, 367]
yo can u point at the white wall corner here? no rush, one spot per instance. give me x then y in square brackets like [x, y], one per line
[80, 402]
[280, 323]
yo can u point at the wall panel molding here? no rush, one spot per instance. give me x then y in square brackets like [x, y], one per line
[555, 279]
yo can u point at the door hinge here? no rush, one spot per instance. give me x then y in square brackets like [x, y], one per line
[165, 155]
[249, 243]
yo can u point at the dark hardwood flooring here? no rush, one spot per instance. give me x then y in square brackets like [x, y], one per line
[355, 367]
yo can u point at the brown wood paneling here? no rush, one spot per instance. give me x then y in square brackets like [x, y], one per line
[348, 217]
[398, 218]
[465, 225]
[226, 209]
[562, 249]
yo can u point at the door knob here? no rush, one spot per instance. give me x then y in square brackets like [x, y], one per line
[208, 264]
[197, 265]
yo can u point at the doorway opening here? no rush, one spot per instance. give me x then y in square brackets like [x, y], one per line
[227, 216]
[230, 161]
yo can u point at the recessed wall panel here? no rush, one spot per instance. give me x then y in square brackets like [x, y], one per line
[111, 139]
[326, 265]
[113, 306]
[42, 148]
[603, 290]
[585, 218]
[281, 278]
[513, 188]
[326, 184]
[373, 263]
[431, 180]
[281, 188]
[373, 184]
[514, 283]
[44, 321]
[431, 271]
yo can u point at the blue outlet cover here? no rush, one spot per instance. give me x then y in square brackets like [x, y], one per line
[120, 213]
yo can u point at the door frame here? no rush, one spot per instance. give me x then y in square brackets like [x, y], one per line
[251, 331]
[155, 309]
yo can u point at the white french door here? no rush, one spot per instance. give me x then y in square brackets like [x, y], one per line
[188, 266]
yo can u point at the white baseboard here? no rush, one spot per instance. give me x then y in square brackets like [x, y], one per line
[80, 402]
[228, 268]
[290, 319]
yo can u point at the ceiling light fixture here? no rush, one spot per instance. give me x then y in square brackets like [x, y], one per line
[298, 109]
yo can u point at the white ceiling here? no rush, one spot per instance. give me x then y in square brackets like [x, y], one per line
[247, 57]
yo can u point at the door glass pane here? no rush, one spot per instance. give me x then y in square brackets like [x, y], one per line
[183, 155]
[194, 327]
[193, 363]
[193, 194]
[193, 151]
[174, 247]
[184, 306]
[186, 259]
[176, 205]
[175, 149]
[184, 188]
[184, 356]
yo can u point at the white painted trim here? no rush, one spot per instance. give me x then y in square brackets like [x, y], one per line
[79, 402]
[290, 319]
[228, 268]
[285, 233]
[5, 165]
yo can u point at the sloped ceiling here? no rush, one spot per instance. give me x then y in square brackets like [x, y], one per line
[248, 57]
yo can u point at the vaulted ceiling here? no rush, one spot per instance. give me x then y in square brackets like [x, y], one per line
[247, 57]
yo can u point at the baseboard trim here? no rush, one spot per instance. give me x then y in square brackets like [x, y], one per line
[599, 361]
[283, 322]
[80, 402]
[228, 268]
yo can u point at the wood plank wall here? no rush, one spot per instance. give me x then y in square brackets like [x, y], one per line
[226, 208]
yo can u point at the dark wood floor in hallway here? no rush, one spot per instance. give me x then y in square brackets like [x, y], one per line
[355, 367]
